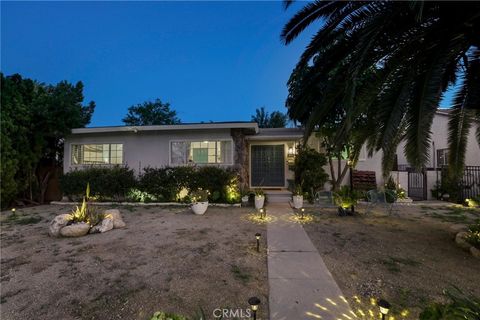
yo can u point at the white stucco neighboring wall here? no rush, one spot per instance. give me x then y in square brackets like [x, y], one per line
[142, 148]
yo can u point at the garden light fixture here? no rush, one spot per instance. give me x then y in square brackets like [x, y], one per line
[257, 236]
[303, 213]
[261, 213]
[254, 302]
[13, 210]
[384, 307]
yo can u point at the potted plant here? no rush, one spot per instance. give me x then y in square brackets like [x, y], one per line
[245, 195]
[199, 200]
[259, 198]
[297, 197]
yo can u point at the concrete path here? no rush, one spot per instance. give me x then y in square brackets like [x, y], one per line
[301, 287]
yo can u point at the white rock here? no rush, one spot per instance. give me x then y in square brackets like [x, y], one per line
[456, 228]
[58, 223]
[114, 214]
[75, 230]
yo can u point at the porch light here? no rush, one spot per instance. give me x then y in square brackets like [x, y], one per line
[384, 307]
[257, 236]
[290, 151]
[254, 302]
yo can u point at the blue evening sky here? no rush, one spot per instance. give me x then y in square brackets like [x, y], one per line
[213, 61]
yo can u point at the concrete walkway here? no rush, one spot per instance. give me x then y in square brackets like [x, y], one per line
[301, 287]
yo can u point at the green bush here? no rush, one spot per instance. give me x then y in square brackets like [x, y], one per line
[106, 183]
[462, 307]
[309, 173]
[221, 184]
[165, 183]
[154, 184]
[473, 235]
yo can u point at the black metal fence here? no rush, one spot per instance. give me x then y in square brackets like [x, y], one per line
[471, 182]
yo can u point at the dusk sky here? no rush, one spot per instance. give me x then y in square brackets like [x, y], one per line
[213, 61]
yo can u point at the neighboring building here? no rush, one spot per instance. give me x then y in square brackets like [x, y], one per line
[262, 156]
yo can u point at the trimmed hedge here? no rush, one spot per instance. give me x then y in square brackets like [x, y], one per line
[154, 184]
[106, 183]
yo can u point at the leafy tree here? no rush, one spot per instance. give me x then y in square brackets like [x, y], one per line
[407, 54]
[308, 167]
[34, 120]
[276, 119]
[151, 113]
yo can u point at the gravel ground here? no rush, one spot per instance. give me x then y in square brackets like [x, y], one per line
[408, 258]
[166, 259]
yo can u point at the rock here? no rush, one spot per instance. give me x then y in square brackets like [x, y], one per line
[65, 199]
[107, 225]
[456, 228]
[114, 214]
[104, 226]
[58, 223]
[460, 240]
[475, 252]
[75, 230]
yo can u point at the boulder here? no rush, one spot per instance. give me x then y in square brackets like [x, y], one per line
[475, 252]
[114, 214]
[58, 223]
[104, 226]
[460, 240]
[456, 228]
[75, 230]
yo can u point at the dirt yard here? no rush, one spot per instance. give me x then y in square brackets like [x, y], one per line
[408, 258]
[166, 259]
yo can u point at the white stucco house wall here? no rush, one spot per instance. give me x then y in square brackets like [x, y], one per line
[262, 156]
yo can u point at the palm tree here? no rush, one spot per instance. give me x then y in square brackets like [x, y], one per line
[392, 61]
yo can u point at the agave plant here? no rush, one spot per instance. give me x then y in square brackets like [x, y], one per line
[86, 213]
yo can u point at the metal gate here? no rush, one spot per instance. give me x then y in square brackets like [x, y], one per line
[417, 185]
[471, 182]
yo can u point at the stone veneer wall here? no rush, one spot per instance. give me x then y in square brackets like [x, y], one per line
[240, 158]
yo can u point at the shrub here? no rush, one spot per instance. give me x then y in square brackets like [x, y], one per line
[308, 167]
[473, 235]
[462, 306]
[221, 183]
[106, 183]
[165, 183]
[198, 195]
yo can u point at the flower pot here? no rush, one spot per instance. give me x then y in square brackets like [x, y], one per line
[259, 202]
[199, 207]
[297, 202]
[245, 199]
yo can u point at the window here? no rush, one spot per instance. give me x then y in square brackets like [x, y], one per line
[97, 153]
[442, 157]
[201, 152]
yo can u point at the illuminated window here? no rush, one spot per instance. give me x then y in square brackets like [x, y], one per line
[97, 153]
[201, 152]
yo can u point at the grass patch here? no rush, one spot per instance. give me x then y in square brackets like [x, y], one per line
[394, 264]
[240, 275]
[23, 220]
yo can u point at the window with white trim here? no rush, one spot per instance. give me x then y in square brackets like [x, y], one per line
[106, 153]
[442, 157]
[201, 152]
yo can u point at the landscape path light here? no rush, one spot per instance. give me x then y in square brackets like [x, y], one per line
[257, 236]
[254, 302]
[303, 213]
[384, 307]
[261, 213]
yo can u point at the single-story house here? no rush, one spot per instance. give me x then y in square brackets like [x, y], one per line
[262, 156]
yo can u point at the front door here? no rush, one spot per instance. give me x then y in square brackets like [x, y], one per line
[268, 165]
